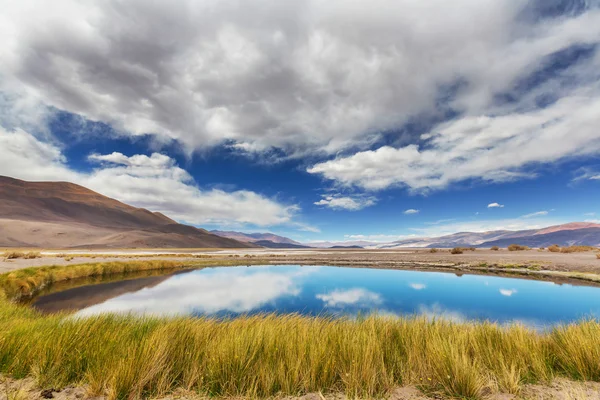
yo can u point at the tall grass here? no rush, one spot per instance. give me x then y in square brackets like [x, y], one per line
[262, 356]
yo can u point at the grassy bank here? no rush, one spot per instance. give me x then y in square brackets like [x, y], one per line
[128, 357]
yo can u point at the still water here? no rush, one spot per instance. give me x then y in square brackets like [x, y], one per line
[320, 290]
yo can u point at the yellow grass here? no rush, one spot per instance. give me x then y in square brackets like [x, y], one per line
[517, 247]
[11, 255]
[262, 356]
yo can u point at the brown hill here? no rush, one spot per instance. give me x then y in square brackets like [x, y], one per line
[567, 227]
[62, 214]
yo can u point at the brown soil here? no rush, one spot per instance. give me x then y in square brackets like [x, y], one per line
[560, 389]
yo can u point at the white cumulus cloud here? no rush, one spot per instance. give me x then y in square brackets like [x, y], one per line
[411, 211]
[357, 296]
[495, 205]
[155, 182]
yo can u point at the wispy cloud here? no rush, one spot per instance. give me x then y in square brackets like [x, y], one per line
[586, 173]
[355, 296]
[418, 286]
[411, 211]
[508, 292]
[535, 214]
[495, 205]
[349, 203]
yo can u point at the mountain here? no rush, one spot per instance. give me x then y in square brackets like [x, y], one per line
[275, 245]
[255, 237]
[574, 233]
[568, 237]
[66, 215]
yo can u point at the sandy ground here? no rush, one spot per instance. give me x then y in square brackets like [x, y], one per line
[560, 389]
[405, 258]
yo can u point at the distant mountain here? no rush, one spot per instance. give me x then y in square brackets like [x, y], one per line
[66, 215]
[574, 233]
[327, 245]
[255, 237]
[274, 245]
[346, 247]
[570, 237]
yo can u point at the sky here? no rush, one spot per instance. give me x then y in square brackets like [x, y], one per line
[319, 120]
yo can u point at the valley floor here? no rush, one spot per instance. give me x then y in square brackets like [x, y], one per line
[534, 263]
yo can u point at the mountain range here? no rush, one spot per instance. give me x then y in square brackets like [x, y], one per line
[574, 233]
[66, 215]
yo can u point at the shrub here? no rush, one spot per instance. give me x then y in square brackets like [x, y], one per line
[471, 249]
[598, 256]
[32, 254]
[554, 248]
[517, 247]
[577, 249]
[19, 254]
[456, 250]
[433, 250]
[495, 248]
[11, 255]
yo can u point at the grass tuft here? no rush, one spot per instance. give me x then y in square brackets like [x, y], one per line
[517, 247]
[11, 255]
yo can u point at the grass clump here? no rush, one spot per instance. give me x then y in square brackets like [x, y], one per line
[495, 248]
[598, 256]
[433, 250]
[517, 247]
[457, 250]
[11, 255]
[577, 249]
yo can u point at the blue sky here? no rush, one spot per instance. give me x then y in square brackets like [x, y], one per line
[344, 121]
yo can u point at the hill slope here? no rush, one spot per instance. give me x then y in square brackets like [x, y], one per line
[256, 237]
[62, 214]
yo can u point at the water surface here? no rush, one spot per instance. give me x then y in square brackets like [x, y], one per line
[337, 291]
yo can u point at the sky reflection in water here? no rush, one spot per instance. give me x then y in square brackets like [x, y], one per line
[313, 290]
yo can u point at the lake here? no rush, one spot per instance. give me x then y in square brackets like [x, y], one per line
[333, 291]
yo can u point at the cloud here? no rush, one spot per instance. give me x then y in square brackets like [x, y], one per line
[535, 214]
[338, 202]
[267, 74]
[418, 286]
[436, 311]
[586, 173]
[508, 292]
[495, 205]
[462, 149]
[207, 291]
[155, 182]
[357, 296]
[411, 211]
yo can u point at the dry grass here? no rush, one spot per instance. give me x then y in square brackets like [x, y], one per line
[517, 247]
[577, 249]
[11, 255]
[554, 248]
[433, 250]
[598, 256]
[127, 357]
[457, 250]
[495, 248]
